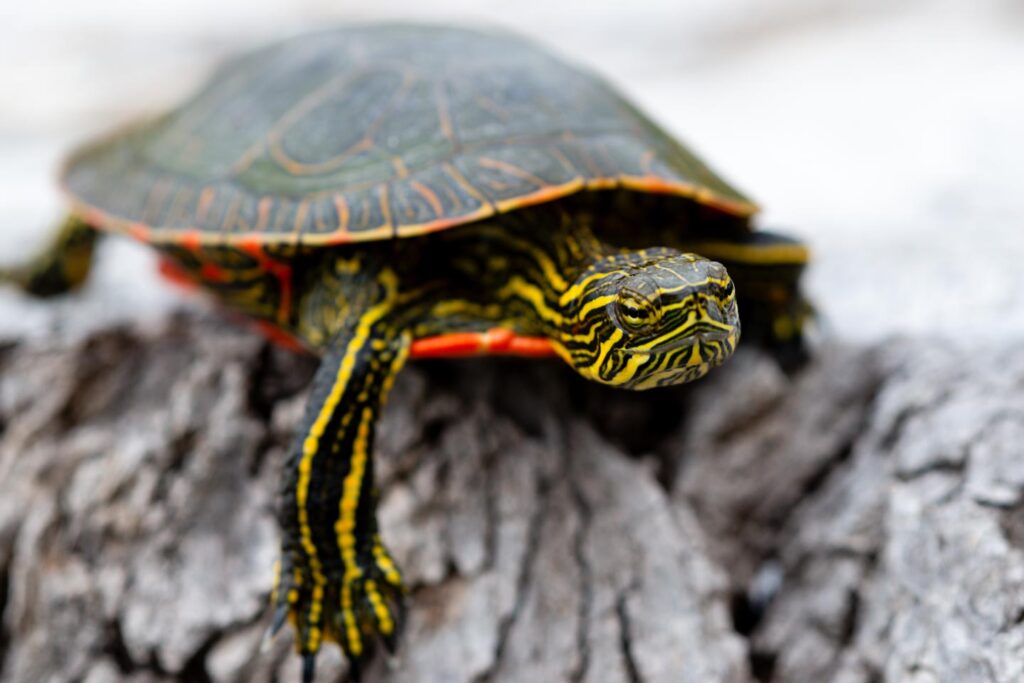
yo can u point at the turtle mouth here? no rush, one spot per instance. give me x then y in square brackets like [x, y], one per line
[681, 360]
[727, 338]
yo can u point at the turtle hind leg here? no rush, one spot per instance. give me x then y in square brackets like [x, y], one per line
[62, 266]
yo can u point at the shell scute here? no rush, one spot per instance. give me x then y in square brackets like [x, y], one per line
[369, 132]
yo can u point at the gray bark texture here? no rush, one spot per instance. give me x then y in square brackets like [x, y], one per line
[859, 521]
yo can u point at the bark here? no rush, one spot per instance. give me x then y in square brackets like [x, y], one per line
[859, 521]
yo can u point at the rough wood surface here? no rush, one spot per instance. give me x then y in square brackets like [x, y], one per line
[861, 521]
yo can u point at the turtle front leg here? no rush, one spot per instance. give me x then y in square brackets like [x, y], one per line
[336, 581]
[63, 266]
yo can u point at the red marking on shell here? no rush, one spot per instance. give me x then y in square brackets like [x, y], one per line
[191, 240]
[94, 217]
[263, 213]
[542, 196]
[139, 231]
[253, 246]
[343, 213]
[205, 200]
[602, 183]
[735, 206]
[429, 195]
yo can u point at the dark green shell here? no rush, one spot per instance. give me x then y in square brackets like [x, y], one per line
[368, 132]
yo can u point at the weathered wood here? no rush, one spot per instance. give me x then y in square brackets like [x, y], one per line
[896, 545]
[862, 520]
[138, 476]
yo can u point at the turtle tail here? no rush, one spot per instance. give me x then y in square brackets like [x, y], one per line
[62, 266]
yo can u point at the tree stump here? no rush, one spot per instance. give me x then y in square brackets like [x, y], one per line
[858, 521]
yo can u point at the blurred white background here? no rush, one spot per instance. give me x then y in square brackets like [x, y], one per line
[888, 133]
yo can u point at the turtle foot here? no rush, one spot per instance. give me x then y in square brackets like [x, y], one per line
[354, 608]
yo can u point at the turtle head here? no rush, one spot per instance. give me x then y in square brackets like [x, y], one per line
[650, 318]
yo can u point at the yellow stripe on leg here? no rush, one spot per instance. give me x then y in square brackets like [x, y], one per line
[384, 620]
[385, 564]
[346, 524]
[348, 615]
[311, 445]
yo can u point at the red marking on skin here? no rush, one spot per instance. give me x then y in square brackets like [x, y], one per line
[283, 273]
[278, 336]
[212, 273]
[253, 246]
[496, 341]
[531, 347]
[446, 346]
[175, 274]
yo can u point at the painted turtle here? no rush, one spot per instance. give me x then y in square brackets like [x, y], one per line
[379, 192]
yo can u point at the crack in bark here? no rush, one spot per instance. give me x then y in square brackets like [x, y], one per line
[586, 583]
[839, 457]
[625, 636]
[116, 648]
[903, 417]
[194, 669]
[954, 465]
[490, 509]
[523, 581]
[5, 588]
[180, 449]
[851, 613]
[935, 467]
[762, 660]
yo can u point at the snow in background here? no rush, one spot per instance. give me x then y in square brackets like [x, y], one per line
[888, 133]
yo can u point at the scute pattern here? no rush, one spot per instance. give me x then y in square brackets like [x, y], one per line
[369, 132]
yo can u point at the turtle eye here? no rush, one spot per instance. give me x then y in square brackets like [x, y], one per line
[634, 312]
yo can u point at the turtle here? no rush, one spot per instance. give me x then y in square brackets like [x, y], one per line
[379, 192]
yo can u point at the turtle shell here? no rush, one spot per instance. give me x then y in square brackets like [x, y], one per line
[369, 132]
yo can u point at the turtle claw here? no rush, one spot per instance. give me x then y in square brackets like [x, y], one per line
[308, 667]
[390, 643]
[392, 662]
[390, 640]
[280, 616]
[355, 670]
[363, 604]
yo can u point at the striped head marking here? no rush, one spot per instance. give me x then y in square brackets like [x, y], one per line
[650, 318]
